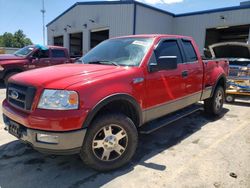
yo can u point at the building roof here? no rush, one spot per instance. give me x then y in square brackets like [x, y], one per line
[214, 10]
[150, 7]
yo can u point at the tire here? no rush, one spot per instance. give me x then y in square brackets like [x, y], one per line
[8, 75]
[230, 98]
[214, 105]
[102, 141]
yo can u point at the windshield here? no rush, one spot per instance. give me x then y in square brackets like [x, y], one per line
[118, 52]
[24, 51]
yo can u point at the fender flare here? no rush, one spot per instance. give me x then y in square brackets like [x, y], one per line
[111, 98]
[222, 76]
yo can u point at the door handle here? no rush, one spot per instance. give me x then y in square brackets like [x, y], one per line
[184, 74]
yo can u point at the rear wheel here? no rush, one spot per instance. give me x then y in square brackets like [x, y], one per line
[8, 75]
[110, 142]
[230, 98]
[214, 104]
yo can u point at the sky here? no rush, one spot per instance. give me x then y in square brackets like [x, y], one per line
[26, 14]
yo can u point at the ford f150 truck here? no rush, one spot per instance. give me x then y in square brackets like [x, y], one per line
[31, 57]
[124, 85]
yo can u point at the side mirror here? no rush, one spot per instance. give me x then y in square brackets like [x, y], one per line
[33, 59]
[164, 63]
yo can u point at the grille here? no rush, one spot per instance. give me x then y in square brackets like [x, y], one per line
[20, 96]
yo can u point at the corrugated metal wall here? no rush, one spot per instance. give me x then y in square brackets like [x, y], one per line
[196, 25]
[118, 18]
[150, 21]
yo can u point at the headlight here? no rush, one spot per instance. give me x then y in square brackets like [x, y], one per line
[58, 100]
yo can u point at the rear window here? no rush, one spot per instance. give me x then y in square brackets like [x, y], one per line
[58, 53]
[189, 51]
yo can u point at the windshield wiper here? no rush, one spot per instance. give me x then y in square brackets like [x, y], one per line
[106, 62]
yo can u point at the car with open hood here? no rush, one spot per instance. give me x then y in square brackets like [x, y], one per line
[238, 55]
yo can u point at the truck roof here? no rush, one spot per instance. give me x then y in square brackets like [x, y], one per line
[155, 36]
[46, 46]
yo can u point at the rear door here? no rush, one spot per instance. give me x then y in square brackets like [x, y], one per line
[193, 71]
[58, 56]
[165, 89]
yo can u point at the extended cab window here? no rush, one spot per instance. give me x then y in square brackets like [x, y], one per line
[41, 54]
[189, 51]
[58, 53]
[169, 48]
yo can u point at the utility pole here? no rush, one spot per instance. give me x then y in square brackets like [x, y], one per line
[43, 15]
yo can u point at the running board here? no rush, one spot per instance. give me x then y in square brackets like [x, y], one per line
[166, 120]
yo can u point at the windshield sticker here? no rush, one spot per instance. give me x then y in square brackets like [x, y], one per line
[141, 43]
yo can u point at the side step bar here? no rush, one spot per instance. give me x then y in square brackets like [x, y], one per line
[166, 120]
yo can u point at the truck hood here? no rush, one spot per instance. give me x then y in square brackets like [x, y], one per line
[230, 50]
[63, 76]
[9, 57]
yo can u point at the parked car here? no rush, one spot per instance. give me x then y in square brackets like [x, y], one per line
[32, 57]
[124, 85]
[238, 54]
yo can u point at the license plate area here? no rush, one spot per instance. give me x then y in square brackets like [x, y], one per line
[15, 129]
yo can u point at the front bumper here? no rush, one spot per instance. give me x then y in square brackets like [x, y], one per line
[47, 120]
[68, 142]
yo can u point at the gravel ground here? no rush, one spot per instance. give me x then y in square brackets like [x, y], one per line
[196, 151]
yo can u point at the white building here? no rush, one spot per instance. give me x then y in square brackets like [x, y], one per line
[85, 24]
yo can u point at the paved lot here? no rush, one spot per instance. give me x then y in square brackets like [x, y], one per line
[196, 151]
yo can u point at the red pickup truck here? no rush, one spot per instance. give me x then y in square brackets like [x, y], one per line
[31, 57]
[121, 87]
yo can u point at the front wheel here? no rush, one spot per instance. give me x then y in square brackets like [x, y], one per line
[110, 142]
[214, 105]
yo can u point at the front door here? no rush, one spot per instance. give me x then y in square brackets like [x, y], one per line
[165, 89]
[40, 58]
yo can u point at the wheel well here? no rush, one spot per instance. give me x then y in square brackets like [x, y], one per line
[120, 106]
[10, 71]
[222, 82]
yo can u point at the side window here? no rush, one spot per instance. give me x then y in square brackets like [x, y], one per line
[189, 51]
[41, 54]
[58, 53]
[169, 48]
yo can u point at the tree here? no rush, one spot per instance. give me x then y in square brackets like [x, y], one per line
[18, 40]
[1, 40]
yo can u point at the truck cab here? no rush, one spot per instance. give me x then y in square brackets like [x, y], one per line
[32, 57]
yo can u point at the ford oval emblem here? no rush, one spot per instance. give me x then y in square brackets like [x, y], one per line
[14, 94]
